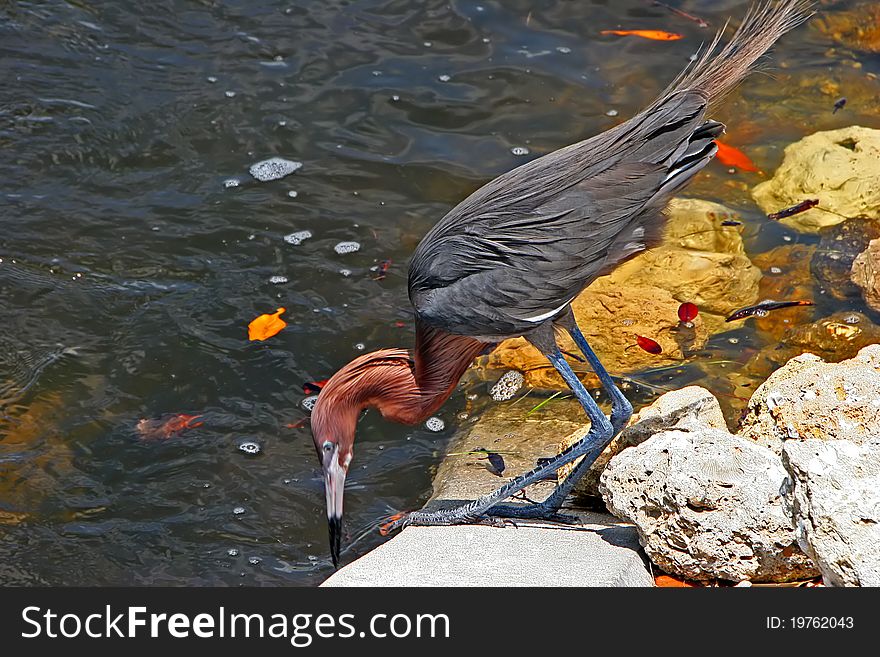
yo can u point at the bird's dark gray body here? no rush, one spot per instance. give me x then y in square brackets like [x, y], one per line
[515, 252]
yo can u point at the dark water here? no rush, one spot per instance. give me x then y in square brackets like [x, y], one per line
[130, 270]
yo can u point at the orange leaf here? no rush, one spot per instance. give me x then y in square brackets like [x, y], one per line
[667, 581]
[656, 35]
[733, 157]
[265, 326]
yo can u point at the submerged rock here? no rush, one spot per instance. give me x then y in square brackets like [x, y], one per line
[707, 505]
[809, 398]
[841, 168]
[832, 261]
[833, 338]
[786, 275]
[857, 28]
[866, 274]
[835, 499]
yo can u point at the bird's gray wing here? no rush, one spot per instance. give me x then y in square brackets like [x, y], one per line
[521, 247]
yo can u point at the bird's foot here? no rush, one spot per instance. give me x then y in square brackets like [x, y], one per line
[439, 518]
[534, 511]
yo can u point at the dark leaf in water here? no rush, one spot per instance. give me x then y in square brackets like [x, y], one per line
[803, 206]
[649, 345]
[687, 312]
[495, 463]
[838, 105]
[761, 309]
[678, 12]
[314, 387]
[731, 222]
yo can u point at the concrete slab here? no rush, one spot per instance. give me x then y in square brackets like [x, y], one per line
[601, 551]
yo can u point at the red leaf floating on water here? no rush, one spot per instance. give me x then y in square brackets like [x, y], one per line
[649, 345]
[733, 157]
[655, 35]
[314, 387]
[687, 312]
[165, 428]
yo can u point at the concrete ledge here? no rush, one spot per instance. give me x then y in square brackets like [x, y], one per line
[601, 551]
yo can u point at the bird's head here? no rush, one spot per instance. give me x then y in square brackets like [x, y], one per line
[333, 428]
[379, 379]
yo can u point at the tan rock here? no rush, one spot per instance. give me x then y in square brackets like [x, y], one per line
[866, 273]
[841, 168]
[857, 28]
[809, 398]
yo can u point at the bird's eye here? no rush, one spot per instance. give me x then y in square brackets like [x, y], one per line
[328, 446]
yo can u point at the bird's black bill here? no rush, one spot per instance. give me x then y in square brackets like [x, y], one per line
[335, 525]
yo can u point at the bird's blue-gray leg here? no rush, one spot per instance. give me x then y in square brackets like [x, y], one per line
[590, 446]
[621, 412]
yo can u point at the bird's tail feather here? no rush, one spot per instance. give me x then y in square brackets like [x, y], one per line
[715, 74]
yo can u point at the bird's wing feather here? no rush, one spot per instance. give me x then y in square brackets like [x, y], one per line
[526, 243]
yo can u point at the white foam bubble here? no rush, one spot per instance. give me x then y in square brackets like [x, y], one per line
[309, 402]
[435, 424]
[273, 168]
[347, 247]
[298, 237]
[277, 280]
[231, 182]
[507, 386]
[519, 150]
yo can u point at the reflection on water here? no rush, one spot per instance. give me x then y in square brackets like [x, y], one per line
[137, 245]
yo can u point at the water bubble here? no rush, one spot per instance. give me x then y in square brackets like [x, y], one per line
[486, 40]
[277, 280]
[309, 402]
[611, 112]
[428, 44]
[787, 238]
[231, 182]
[628, 322]
[376, 74]
[250, 447]
[312, 557]
[293, 193]
[435, 424]
[775, 270]
[519, 150]
[733, 340]
[298, 237]
[238, 510]
[273, 168]
[444, 78]
[345, 272]
[395, 98]
[346, 247]
[232, 552]
[360, 346]
[230, 94]
[507, 386]
[212, 79]
[254, 560]
[852, 319]
[563, 49]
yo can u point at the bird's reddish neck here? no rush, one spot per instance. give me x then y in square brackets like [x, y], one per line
[404, 387]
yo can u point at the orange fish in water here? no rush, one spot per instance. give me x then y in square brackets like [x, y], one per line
[165, 428]
[733, 157]
[656, 35]
[265, 326]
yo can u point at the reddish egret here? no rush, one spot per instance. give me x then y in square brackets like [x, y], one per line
[508, 260]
